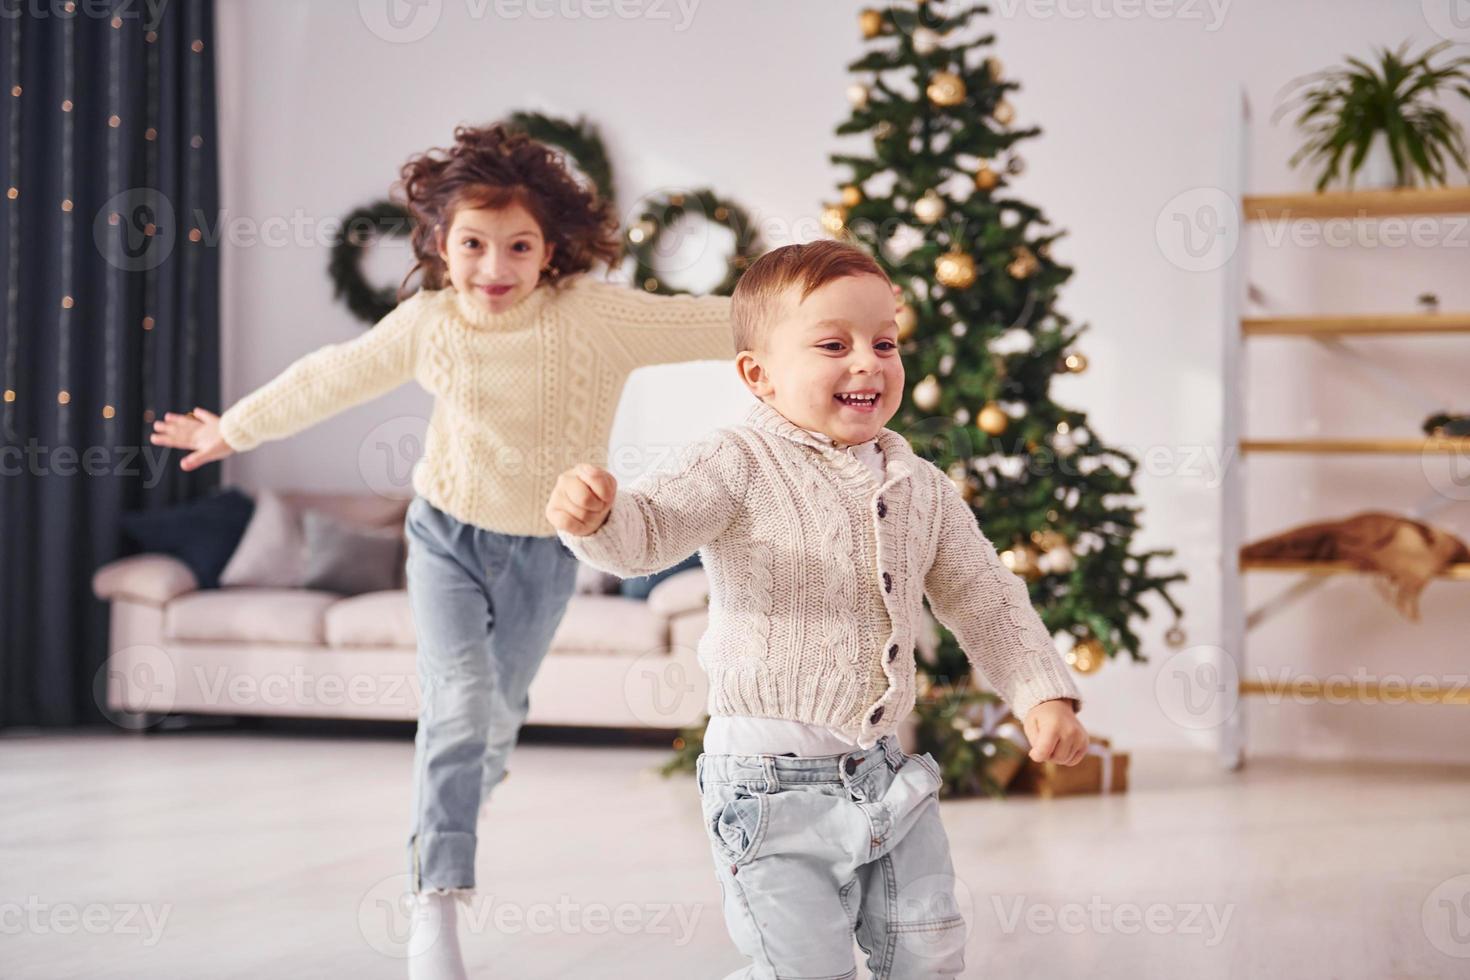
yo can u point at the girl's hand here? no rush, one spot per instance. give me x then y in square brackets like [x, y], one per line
[582, 499]
[198, 430]
[1055, 733]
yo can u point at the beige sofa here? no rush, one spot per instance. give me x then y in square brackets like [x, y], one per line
[176, 649]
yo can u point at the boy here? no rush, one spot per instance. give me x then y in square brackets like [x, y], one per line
[822, 532]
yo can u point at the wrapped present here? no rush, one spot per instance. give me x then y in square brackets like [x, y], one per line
[1102, 770]
[1000, 723]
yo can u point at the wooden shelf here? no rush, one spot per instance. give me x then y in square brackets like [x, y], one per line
[1362, 691]
[1357, 326]
[1459, 572]
[1357, 204]
[1354, 446]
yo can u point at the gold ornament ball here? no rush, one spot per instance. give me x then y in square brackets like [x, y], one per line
[955, 269]
[1022, 559]
[1024, 264]
[926, 394]
[1076, 363]
[1175, 636]
[852, 195]
[929, 208]
[946, 89]
[884, 130]
[642, 231]
[1004, 113]
[834, 217]
[1048, 539]
[908, 322]
[986, 179]
[857, 95]
[871, 22]
[993, 420]
[996, 68]
[1087, 656]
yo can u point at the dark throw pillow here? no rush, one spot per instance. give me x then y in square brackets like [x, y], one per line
[202, 533]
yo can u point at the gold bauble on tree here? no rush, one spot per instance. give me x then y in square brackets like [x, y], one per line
[1023, 560]
[834, 218]
[929, 208]
[946, 89]
[908, 322]
[852, 195]
[986, 179]
[1075, 363]
[871, 22]
[996, 68]
[993, 419]
[1087, 656]
[955, 269]
[926, 394]
[857, 94]
[1004, 113]
[1024, 264]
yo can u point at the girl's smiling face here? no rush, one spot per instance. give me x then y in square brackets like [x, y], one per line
[495, 255]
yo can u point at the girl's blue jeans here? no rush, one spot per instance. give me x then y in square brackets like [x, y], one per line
[485, 606]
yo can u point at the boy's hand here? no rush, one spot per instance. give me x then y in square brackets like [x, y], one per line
[581, 500]
[198, 430]
[1055, 733]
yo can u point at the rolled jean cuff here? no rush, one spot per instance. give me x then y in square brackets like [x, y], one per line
[442, 861]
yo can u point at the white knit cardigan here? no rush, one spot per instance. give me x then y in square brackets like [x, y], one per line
[817, 576]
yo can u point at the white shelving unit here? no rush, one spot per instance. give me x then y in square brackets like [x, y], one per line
[1335, 334]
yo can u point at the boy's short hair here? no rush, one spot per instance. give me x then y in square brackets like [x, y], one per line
[810, 266]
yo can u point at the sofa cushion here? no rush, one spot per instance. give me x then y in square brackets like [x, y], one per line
[610, 624]
[247, 614]
[272, 553]
[201, 532]
[373, 619]
[351, 561]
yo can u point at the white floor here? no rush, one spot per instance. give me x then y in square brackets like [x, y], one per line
[230, 854]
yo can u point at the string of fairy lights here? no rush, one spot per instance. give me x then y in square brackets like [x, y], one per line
[115, 276]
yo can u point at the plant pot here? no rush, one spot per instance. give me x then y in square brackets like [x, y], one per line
[1376, 171]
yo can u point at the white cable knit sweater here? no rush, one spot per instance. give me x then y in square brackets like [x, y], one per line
[519, 396]
[818, 575]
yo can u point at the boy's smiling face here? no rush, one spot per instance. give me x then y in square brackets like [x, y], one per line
[830, 363]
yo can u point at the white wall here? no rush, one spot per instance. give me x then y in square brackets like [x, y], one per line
[318, 111]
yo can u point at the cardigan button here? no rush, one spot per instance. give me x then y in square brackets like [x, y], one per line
[876, 715]
[882, 508]
[850, 765]
[887, 582]
[892, 652]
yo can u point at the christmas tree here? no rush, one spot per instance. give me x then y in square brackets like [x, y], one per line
[982, 340]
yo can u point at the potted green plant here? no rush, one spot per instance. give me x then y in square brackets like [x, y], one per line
[1381, 119]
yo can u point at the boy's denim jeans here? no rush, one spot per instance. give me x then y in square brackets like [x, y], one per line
[812, 851]
[485, 606]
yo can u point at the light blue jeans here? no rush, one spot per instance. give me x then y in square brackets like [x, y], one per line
[813, 851]
[485, 607]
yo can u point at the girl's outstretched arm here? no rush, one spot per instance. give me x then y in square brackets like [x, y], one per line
[645, 328]
[329, 380]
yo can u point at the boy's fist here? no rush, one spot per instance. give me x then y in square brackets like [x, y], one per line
[581, 500]
[1055, 733]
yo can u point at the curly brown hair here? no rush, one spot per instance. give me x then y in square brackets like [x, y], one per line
[492, 167]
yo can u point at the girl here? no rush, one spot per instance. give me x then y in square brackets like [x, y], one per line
[526, 356]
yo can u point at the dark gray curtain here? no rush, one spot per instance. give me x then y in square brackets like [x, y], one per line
[109, 312]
